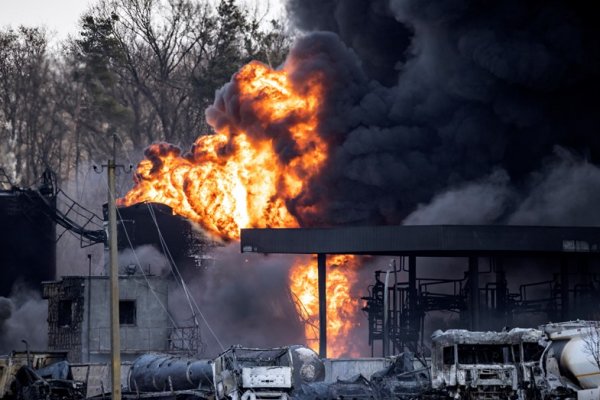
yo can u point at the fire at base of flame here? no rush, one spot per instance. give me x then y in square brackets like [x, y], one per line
[341, 306]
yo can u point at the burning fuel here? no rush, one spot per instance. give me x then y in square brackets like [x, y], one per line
[249, 171]
[232, 180]
[341, 306]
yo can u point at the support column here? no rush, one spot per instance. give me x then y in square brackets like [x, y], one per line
[564, 289]
[413, 312]
[474, 293]
[322, 273]
[501, 293]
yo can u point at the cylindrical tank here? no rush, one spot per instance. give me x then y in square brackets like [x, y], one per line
[307, 365]
[576, 359]
[152, 373]
[27, 239]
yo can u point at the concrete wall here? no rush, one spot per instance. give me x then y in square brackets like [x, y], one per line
[150, 331]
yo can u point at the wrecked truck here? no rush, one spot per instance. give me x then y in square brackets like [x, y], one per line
[38, 376]
[467, 364]
[251, 374]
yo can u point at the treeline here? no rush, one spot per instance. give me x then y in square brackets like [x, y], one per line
[145, 69]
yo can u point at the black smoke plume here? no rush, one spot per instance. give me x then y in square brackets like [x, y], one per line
[480, 91]
[459, 111]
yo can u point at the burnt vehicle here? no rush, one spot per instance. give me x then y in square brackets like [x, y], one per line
[499, 365]
[569, 366]
[29, 385]
[408, 377]
[38, 376]
[250, 374]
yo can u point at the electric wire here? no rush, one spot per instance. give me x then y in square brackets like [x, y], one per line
[184, 285]
[113, 197]
[174, 270]
[168, 252]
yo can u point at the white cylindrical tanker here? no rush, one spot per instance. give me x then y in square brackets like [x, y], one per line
[569, 345]
[577, 359]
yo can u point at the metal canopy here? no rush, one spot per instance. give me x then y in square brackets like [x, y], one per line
[424, 240]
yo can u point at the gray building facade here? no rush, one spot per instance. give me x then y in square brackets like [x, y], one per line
[79, 316]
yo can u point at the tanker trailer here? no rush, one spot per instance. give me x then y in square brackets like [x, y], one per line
[155, 372]
[569, 360]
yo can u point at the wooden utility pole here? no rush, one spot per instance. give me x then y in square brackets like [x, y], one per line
[115, 339]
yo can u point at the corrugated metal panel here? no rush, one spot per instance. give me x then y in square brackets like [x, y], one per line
[434, 240]
[340, 368]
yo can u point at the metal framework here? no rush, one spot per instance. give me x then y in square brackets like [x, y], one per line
[396, 311]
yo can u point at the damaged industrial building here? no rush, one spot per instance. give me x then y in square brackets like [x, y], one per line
[490, 360]
[396, 201]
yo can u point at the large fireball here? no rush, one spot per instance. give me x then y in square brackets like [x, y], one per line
[232, 179]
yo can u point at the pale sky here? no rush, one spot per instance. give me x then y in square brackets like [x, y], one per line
[61, 17]
[58, 16]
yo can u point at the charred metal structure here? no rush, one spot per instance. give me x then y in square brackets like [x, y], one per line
[155, 224]
[508, 272]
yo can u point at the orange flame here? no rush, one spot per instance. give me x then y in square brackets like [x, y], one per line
[232, 180]
[341, 306]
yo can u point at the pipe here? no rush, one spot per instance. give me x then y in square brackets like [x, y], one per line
[27, 351]
[89, 308]
[386, 333]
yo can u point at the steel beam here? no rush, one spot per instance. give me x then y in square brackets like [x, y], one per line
[501, 292]
[322, 278]
[564, 288]
[413, 312]
[474, 293]
[427, 241]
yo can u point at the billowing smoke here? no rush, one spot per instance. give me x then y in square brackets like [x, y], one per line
[147, 257]
[244, 300]
[456, 112]
[23, 316]
[482, 91]
[479, 202]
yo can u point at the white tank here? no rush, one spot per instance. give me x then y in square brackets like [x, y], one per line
[577, 360]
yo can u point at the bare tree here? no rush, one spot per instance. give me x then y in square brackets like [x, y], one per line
[146, 69]
[591, 342]
[32, 131]
[162, 61]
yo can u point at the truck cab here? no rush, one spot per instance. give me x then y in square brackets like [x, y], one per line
[487, 365]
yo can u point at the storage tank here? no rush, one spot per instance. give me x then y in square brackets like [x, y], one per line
[27, 239]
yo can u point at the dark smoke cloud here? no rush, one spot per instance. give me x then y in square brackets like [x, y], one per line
[245, 300]
[436, 112]
[482, 87]
[368, 27]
